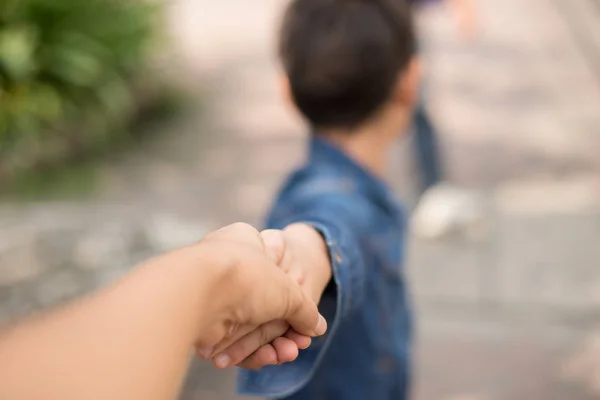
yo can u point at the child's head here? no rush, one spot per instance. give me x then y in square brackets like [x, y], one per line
[350, 62]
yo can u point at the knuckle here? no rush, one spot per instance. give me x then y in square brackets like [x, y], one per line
[265, 334]
[287, 261]
[242, 350]
[244, 227]
[274, 242]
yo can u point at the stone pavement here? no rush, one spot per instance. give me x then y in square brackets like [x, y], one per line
[500, 315]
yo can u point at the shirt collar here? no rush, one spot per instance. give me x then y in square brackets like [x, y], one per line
[324, 152]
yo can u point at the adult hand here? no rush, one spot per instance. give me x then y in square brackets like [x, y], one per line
[258, 290]
[300, 252]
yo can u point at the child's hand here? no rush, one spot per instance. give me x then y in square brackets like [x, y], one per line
[304, 257]
[301, 252]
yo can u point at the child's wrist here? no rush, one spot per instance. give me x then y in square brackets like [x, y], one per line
[319, 273]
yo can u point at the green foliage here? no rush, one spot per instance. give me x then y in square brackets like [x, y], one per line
[69, 71]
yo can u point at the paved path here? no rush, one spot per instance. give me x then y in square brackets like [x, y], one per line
[500, 316]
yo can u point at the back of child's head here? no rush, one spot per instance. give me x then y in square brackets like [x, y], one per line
[343, 58]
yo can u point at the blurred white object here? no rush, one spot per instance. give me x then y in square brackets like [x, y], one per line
[445, 209]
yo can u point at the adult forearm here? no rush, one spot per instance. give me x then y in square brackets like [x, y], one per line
[131, 340]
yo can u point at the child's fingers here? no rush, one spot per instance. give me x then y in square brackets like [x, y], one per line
[281, 351]
[250, 343]
[286, 349]
[266, 355]
[302, 342]
[208, 353]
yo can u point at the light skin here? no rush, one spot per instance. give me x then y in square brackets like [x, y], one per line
[466, 16]
[133, 339]
[299, 249]
[301, 253]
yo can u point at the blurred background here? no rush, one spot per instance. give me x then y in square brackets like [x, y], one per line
[128, 128]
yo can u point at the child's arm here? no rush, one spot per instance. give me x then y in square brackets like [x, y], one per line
[339, 220]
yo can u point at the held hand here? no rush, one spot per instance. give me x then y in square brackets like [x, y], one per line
[258, 291]
[268, 344]
[302, 254]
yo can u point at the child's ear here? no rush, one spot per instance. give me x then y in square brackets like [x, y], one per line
[409, 83]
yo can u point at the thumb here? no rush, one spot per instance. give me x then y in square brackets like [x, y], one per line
[274, 244]
[302, 313]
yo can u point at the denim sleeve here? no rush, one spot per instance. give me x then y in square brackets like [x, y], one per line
[336, 219]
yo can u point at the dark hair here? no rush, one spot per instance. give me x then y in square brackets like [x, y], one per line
[343, 57]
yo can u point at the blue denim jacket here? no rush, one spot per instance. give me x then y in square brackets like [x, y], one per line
[366, 353]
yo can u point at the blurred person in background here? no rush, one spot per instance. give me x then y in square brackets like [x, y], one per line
[442, 207]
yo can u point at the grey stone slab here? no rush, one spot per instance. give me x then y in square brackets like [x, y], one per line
[18, 300]
[103, 246]
[20, 263]
[551, 260]
[449, 270]
[518, 368]
[58, 287]
[204, 382]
